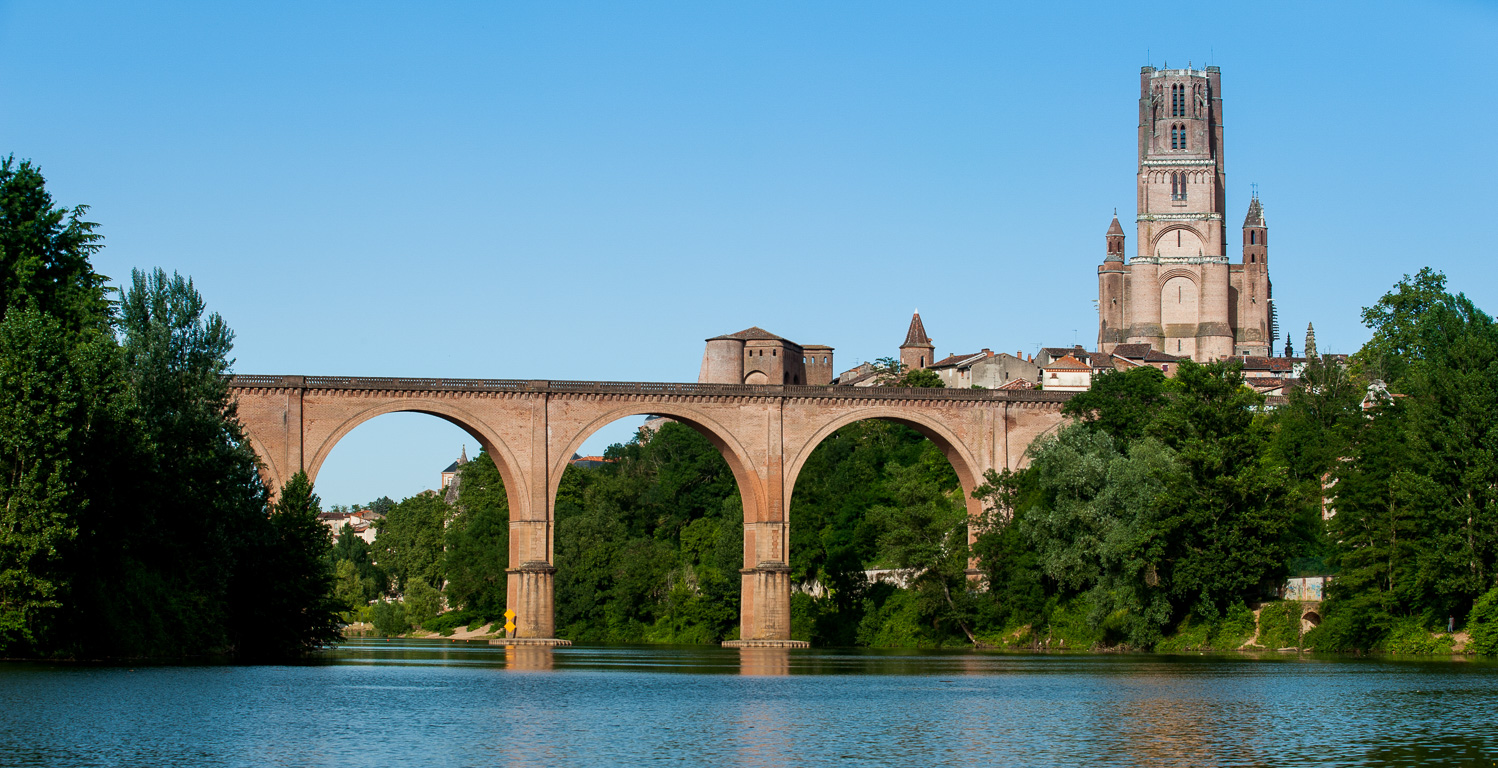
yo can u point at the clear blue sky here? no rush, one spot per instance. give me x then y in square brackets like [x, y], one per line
[587, 191]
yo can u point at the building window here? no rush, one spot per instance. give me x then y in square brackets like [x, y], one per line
[1177, 100]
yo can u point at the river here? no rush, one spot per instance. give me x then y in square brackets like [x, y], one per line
[379, 703]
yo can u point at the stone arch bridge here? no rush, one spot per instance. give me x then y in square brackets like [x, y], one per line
[532, 428]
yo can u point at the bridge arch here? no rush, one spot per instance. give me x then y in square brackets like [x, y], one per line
[959, 455]
[504, 458]
[745, 474]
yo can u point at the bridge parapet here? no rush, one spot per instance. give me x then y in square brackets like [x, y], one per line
[388, 384]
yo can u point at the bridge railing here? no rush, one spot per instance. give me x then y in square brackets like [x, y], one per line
[366, 383]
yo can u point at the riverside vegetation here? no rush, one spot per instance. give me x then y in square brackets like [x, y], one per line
[132, 518]
[134, 523]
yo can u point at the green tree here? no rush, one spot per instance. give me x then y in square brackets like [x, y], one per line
[1226, 527]
[169, 568]
[410, 541]
[1415, 516]
[371, 579]
[925, 532]
[44, 254]
[478, 540]
[1120, 404]
[41, 417]
[299, 611]
[1395, 320]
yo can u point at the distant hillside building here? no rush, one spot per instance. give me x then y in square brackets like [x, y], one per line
[985, 369]
[756, 356]
[1066, 375]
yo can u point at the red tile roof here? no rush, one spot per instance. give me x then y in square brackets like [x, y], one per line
[752, 333]
[1068, 363]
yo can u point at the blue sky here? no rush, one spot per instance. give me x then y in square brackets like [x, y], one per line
[587, 191]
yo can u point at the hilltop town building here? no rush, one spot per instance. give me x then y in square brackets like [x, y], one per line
[1179, 293]
[756, 356]
[985, 369]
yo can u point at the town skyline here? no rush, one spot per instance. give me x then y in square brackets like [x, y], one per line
[368, 202]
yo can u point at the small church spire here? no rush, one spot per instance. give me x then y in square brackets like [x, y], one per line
[463, 456]
[916, 336]
[1255, 216]
[917, 352]
[1310, 340]
[1289, 346]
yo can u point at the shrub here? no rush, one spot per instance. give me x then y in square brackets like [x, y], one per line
[389, 619]
[1279, 625]
[1227, 633]
[447, 623]
[1411, 636]
[1482, 623]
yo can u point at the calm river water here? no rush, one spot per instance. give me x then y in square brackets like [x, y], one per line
[377, 703]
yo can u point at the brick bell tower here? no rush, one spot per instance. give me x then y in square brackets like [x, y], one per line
[1179, 293]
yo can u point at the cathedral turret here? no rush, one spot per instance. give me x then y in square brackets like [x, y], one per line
[1110, 290]
[1310, 340]
[917, 352]
[1255, 234]
[1115, 238]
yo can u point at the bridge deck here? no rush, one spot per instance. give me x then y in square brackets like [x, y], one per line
[368, 383]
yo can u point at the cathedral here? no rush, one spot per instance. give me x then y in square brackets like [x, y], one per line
[1179, 293]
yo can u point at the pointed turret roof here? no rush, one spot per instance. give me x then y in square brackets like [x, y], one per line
[1115, 228]
[916, 336]
[1255, 216]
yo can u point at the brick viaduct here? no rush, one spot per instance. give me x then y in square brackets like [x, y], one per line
[532, 429]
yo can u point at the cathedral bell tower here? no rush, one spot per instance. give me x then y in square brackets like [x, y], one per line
[1180, 270]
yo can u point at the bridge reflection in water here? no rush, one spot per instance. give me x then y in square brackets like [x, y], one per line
[532, 428]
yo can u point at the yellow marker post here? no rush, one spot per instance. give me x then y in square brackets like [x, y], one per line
[509, 623]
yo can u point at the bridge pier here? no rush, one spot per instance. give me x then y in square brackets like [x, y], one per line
[765, 611]
[529, 593]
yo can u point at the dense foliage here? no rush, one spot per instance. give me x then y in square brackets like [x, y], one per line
[1416, 521]
[134, 522]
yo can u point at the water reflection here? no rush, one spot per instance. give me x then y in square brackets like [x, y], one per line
[529, 658]
[764, 661]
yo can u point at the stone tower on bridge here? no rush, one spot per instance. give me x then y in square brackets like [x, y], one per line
[1179, 293]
